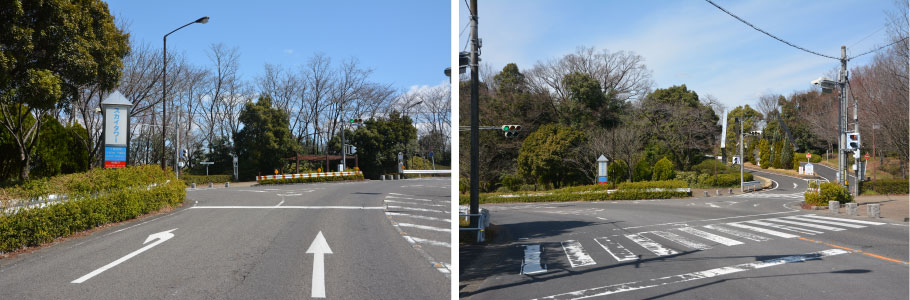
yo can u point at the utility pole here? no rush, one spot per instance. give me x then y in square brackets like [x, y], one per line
[842, 120]
[343, 154]
[177, 149]
[475, 117]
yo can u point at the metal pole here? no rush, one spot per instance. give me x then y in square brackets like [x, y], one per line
[842, 119]
[164, 104]
[177, 149]
[741, 158]
[475, 116]
[343, 146]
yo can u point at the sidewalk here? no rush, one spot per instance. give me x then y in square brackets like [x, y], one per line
[893, 207]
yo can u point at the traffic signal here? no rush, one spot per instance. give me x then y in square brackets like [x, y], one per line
[852, 141]
[511, 130]
[184, 154]
[356, 121]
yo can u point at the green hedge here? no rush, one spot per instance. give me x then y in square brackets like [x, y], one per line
[726, 180]
[310, 179]
[95, 198]
[203, 179]
[596, 192]
[886, 186]
[829, 192]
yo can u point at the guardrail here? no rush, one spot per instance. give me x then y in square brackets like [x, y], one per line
[483, 221]
[751, 185]
[307, 175]
[427, 171]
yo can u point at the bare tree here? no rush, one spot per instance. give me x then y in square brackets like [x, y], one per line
[622, 73]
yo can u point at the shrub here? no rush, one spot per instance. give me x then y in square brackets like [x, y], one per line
[618, 172]
[663, 170]
[94, 198]
[708, 166]
[665, 184]
[203, 179]
[764, 148]
[512, 182]
[829, 191]
[886, 186]
[725, 180]
[642, 170]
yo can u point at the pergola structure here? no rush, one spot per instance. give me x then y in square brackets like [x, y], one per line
[326, 158]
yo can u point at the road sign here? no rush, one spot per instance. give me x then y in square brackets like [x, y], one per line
[808, 155]
[206, 162]
[867, 156]
[431, 154]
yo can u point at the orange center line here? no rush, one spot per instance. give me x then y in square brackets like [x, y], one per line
[861, 251]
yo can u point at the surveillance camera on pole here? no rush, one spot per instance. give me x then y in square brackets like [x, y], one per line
[827, 85]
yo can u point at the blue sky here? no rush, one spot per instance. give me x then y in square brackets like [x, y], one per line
[405, 43]
[690, 42]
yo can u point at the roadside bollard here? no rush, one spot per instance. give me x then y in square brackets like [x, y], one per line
[731, 191]
[706, 194]
[718, 192]
[851, 209]
[834, 207]
[227, 184]
[874, 211]
[193, 185]
[211, 184]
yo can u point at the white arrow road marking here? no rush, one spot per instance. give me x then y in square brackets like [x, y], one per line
[643, 284]
[319, 248]
[794, 185]
[161, 237]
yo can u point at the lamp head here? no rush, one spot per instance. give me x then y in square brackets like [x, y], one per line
[203, 20]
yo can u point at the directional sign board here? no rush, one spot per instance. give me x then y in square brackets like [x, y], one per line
[116, 110]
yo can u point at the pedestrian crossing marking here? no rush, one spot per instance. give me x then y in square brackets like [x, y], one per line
[651, 245]
[681, 240]
[531, 263]
[710, 236]
[804, 224]
[825, 222]
[738, 233]
[616, 250]
[844, 220]
[576, 254]
[784, 227]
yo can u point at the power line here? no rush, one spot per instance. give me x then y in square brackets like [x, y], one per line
[769, 34]
[879, 48]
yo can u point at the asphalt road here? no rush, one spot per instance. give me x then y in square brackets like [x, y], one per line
[750, 246]
[253, 243]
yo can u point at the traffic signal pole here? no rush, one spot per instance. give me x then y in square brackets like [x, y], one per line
[475, 118]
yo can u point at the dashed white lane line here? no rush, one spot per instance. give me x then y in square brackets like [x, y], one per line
[414, 203]
[417, 209]
[430, 242]
[576, 254]
[388, 213]
[643, 284]
[424, 227]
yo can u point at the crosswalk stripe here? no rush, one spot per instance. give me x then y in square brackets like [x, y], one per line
[762, 230]
[842, 224]
[417, 209]
[804, 224]
[711, 237]
[785, 227]
[738, 233]
[650, 244]
[844, 220]
[388, 213]
[407, 198]
[616, 250]
[424, 227]
[531, 263]
[681, 240]
[576, 254]
[413, 203]
[431, 242]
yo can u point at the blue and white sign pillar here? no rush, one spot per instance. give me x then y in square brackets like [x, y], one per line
[602, 170]
[116, 109]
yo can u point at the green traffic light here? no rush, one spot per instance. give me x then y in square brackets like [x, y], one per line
[505, 127]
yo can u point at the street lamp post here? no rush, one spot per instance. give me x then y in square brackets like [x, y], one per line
[202, 20]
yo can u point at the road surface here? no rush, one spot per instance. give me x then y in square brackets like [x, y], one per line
[259, 243]
[750, 246]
